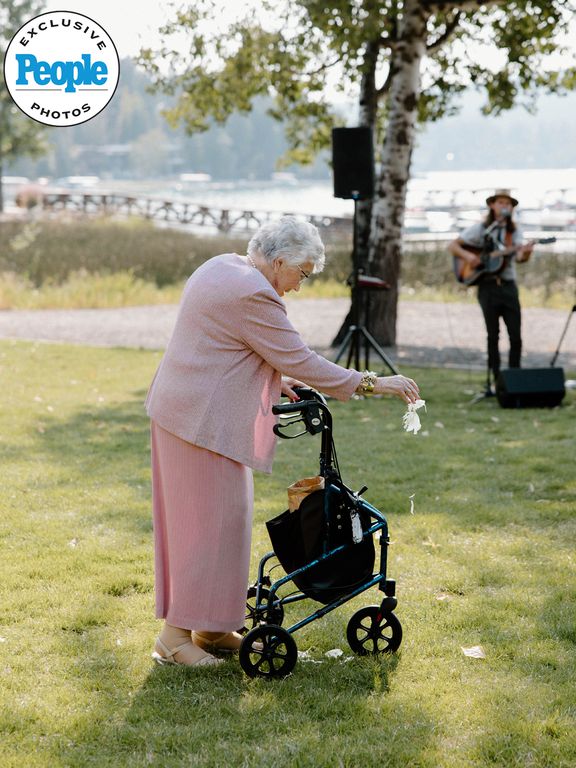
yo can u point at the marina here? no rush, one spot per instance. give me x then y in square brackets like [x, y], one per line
[439, 204]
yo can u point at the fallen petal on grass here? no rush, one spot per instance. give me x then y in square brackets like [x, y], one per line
[474, 652]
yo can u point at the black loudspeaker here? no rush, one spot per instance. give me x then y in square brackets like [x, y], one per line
[353, 163]
[530, 387]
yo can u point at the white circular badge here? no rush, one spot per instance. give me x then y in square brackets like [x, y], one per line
[61, 68]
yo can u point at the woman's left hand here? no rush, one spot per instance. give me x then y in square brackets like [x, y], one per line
[287, 384]
[524, 252]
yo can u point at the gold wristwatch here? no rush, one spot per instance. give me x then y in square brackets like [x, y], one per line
[367, 383]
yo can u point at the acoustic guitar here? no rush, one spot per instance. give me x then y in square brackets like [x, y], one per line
[492, 262]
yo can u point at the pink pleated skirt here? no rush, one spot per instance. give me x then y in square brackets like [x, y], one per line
[202, 505]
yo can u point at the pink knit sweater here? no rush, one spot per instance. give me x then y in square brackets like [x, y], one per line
[221, 372]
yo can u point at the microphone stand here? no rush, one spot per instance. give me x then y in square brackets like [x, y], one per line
[562, 336]
[488, 391]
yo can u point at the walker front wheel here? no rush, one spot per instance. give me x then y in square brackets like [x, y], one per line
[371, 631]
[268, 651]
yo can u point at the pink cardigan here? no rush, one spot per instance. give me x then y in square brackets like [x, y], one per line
[221, 372]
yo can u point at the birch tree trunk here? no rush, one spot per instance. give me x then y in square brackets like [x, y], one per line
[1, 160]
[390, 199]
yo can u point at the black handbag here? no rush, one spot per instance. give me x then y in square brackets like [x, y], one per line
[324, 521]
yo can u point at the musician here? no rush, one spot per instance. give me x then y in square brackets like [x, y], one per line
[497, 293]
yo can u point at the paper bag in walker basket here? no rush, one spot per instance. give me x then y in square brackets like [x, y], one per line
[298, 491]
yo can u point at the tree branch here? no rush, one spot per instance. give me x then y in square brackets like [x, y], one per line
[324, 67]
[460, 5]
[450, 27]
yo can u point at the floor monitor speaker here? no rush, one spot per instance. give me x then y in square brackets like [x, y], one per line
[530, 387]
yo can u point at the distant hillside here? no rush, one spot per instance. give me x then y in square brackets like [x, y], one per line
[130, 139]
[514, 139]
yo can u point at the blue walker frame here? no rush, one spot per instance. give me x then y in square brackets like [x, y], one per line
[269, 649]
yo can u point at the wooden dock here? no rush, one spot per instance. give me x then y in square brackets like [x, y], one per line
[177, 212]
[426, 223]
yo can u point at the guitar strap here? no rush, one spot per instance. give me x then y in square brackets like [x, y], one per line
[504, 237]
[499, 236]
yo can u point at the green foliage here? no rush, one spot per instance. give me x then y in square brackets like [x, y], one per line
[81, 290]
[527, 32]
[46, 252]
[247, 147]
[102, 263]
[18, 134]
[50, 251]
[301, 49]
[226, 71]
[485, 559]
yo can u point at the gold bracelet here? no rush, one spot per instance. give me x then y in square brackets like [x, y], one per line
[368, 382]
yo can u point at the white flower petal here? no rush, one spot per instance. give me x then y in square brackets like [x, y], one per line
[474, 652]
[411, 420]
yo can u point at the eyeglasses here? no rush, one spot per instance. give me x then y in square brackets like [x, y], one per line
[305, 275]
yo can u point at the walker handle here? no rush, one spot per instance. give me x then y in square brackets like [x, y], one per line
[290, 407]
[307, 396]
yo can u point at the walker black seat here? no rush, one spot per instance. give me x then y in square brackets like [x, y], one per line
[320, 525]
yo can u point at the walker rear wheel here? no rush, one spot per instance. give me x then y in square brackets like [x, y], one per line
[268, 651]
[255, 617]
[371, 631]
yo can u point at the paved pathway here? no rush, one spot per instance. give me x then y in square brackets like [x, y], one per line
[428, 333]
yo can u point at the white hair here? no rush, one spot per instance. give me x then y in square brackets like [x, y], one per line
[294, 241]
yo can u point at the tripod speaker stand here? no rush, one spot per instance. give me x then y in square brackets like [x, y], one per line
[353, 166]
[358, 337]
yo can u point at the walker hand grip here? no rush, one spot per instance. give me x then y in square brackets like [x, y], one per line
[289, 407]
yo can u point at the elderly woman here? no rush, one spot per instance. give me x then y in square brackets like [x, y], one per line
[210, 406]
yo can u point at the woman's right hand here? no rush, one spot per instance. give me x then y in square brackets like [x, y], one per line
[399, 386]
[474, 260]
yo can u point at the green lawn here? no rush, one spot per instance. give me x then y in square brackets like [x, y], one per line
[486, 558]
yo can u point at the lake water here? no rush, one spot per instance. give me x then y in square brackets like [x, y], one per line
[534, 188]
[547, 197]
[438, 202]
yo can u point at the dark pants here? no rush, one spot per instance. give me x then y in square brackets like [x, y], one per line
[499, 299]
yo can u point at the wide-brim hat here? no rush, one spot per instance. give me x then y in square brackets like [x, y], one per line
[502, 193]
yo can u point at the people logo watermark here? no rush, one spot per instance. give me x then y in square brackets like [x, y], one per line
[61, 68]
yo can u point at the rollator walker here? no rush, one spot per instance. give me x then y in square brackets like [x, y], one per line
[326, 548]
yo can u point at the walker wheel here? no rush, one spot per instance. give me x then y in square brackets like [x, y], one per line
[268, 651]
[255, 617]
[371, 631]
